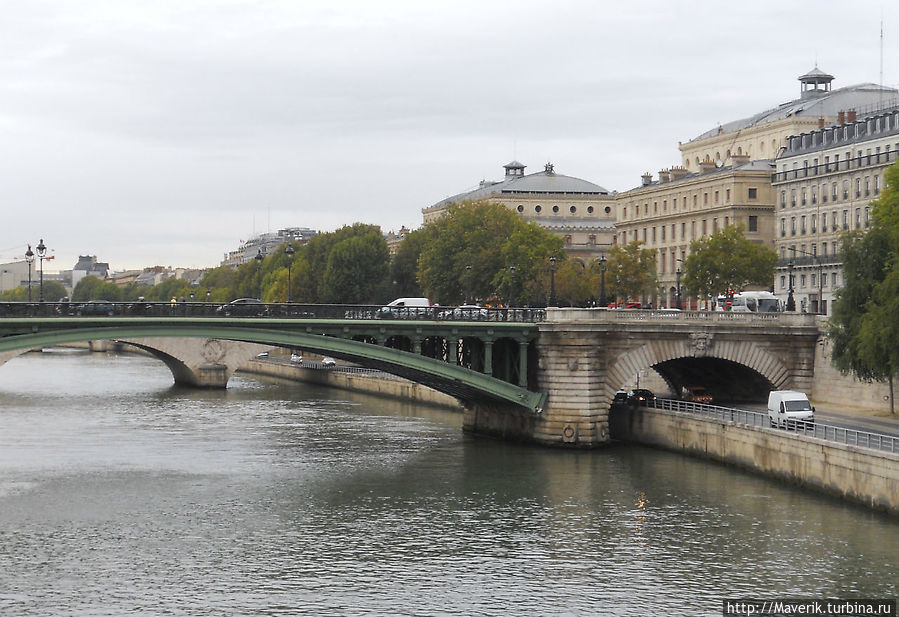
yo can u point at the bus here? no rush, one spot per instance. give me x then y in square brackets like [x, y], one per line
[755, 302]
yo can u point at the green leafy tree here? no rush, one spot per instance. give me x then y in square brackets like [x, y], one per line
[631, 271]
[53, 291]
[94, 288]
[404, 267]
[490, 238]
[726, 261]
[357, 269]
[317, 252]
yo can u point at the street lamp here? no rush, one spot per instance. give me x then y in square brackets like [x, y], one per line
[42, 254]
[511, 286]
[791, 303]
[467, 284]
[29, 258]
[602, 281]
[289, 251]
[819, 307]
[677, 291]
[259, 257]
[552, 280]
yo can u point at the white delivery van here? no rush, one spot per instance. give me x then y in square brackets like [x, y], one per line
[789, 406]
[405, 307]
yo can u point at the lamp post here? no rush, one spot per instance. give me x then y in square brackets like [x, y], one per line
[602, 281]
[552, 280]
[41, 254]
[259, 257]
[819, 307]
[29, 258]
[289, 251]
[511, 286]
[677, 291]
[791, 303]
[468, 284]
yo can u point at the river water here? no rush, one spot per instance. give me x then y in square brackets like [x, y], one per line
[121, 494]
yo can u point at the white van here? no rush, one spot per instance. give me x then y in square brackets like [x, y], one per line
[405, 307]
[789, 406]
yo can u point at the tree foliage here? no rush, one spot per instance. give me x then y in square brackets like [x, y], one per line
[492, 240]
[53, 291]
[726, 261]
[631, 270]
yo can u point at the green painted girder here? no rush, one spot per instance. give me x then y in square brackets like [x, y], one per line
[311, 335]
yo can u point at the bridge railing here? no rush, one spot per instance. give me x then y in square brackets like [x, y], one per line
[828, 432]
[262, 309]
[663, 316]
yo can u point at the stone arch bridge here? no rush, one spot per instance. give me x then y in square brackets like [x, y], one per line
[547, 381]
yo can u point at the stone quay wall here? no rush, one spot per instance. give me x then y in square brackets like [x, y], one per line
[869, 477]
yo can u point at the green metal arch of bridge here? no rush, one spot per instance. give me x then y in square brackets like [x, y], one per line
[458, 381]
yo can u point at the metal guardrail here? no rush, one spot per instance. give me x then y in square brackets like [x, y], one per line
[827, 432]
[269, 309]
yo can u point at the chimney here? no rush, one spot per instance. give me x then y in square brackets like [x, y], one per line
[676, 173]
[647, 179]
[707, 165]
[851, 115]
[841, 117]
[821, 122]
[664, 176]
[739, 159]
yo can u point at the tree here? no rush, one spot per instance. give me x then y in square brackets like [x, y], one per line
[53, 291]
[404, 267]
[864, 330]
[94, 288]
[726, 261]
[490, 238]
[631, 270]
[356, 270]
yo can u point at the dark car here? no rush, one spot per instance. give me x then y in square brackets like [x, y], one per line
[620, 398]
[243, 307]
[640, 397]
[96, 307]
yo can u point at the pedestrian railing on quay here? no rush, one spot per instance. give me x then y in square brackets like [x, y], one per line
[256, 308]
[819, 430]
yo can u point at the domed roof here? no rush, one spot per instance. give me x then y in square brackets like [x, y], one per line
[546, 182]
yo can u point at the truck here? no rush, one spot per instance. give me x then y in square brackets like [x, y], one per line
[787, 407]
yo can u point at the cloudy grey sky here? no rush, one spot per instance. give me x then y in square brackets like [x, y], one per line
[166, 132]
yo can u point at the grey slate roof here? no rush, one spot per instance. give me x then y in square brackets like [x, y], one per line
[859, 97]
[544, 182]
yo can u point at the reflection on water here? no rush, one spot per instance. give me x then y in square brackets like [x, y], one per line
[121, 494]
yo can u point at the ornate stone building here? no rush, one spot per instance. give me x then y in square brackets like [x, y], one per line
[579, 211]
[679, 207]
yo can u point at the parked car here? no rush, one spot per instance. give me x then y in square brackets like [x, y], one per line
[640, 397]
[696, 394]
[243, 307]
[96, 307]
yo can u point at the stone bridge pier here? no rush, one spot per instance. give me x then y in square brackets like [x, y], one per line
[586, 355]
[199, 362]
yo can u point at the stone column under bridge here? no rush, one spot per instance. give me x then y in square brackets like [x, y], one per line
[585, 355]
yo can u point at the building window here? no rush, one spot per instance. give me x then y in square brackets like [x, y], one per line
[623, 215]
[715, 225]
[589, 209]
[858, 218]
[555, 209]
[802, 225]
[783, 200]
[568, 240]
[704, 229]
[572, 209]
[814, 224]
[705, 199]
[876, 185]
[814, 194]
[802, 280]
[867, 186]
[716, 196]
[802, 201]
[753, 193]
[753, 223]
[783, 227]
[792, 225]
[824, 249]
[521, 208]
[539, 209]
[592, 240]
[783, 282]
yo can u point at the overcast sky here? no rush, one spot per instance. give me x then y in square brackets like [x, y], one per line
[166, 132]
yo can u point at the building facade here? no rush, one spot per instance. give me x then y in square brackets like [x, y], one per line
[581, 212]
[824, 181]
[266, 243]
[667, 214]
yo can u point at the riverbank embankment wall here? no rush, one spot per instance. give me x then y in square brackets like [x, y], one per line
[858, 474]
[385, 385]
